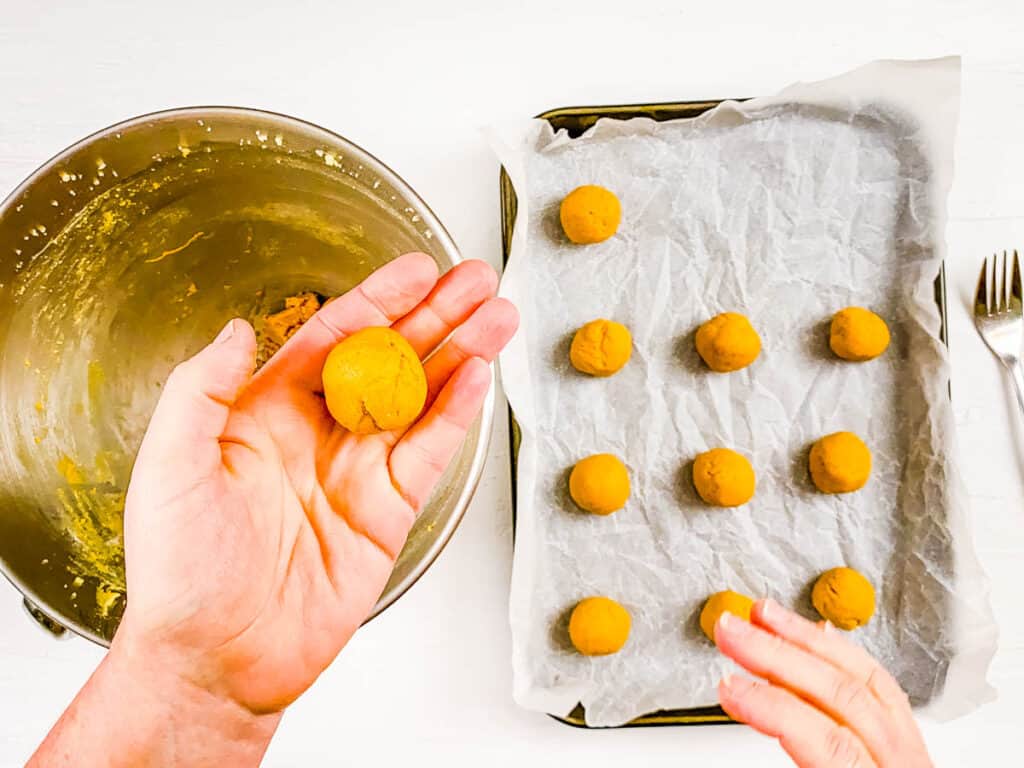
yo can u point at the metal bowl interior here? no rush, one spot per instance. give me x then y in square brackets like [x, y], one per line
[124, 255]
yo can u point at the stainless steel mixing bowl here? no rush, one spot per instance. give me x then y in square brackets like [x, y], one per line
[125, 254]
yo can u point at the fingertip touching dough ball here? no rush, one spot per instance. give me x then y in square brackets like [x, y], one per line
[840, 463]
[599, 626]
[721, 602]
[374, 382]
[858, 334]
[601, 347]
[728, 342]
[723, 477]
[590, 214]
[599, 484]
[844, 597]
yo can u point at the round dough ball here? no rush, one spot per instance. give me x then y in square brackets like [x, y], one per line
[590, 214]
[840, 463]
[374, 382]
[601, 347]
[599, 626]
[723, 478]
[599, 484]
[844, 597]
[858, 334]
[728, 342]
[720, 602]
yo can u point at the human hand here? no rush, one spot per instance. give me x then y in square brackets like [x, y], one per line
[259, 533]
[827, 701]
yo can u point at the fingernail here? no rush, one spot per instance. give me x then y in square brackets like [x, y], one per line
[725, 620]
[226, 333]
[829, 628]
[769, 609]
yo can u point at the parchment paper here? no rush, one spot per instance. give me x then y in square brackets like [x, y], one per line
[785, 209]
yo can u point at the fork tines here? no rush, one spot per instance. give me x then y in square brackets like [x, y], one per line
[997, 287]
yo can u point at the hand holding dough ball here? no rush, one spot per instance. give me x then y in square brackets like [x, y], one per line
[601, 348]
[723, 478]
[728, 342]
[858, 334]
[590, 214]
[840, 463]
[374, 382]
[844, 597]
[722, 602]
[599, 626]
[599, 484]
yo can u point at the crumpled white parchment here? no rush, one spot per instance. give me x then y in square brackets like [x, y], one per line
[785, 209]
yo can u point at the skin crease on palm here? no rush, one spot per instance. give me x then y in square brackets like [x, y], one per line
[259, 535]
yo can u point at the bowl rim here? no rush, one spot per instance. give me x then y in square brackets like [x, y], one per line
[442, 237]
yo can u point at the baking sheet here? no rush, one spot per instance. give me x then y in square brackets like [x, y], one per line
[786, 209]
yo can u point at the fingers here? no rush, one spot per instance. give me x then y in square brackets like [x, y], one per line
[381, 299]
[825, 642]
[193, 410]
[845, 698]
[483, 335]
[453, 299]
[423, 454]
[810, 737]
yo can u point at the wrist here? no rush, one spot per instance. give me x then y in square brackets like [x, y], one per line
[188, 723]
[140, 707]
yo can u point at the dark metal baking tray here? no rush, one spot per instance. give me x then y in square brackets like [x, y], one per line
[576, 120]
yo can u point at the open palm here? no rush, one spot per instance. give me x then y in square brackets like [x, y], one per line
[259, 533]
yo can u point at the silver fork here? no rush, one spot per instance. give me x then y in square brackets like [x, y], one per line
[999, 317]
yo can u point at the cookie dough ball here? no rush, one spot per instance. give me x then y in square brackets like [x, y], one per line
[599, 484]
[599, 626]
[721, 602]
[601, 348]
[723, 478]
[728, 342]
[844, 597]
[840, 463]
[590, 214]
[858, 334]
[373, 382]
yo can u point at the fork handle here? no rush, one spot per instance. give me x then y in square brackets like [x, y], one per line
[1017, 374]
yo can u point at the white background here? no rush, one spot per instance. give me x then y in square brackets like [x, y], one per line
[429, 681]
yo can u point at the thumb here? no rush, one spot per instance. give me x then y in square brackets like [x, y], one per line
[193, 410]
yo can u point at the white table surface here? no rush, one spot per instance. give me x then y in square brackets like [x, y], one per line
[413, 81]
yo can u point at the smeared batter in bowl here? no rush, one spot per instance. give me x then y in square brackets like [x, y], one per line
[141, 278]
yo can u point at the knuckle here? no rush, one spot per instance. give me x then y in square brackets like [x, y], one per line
[742, 699]
[459, 348]
[874, 677]
[887, 689]
[410, 496]
[849, 696]
[371, 298]
[774, 647]
[434, 462]
[454, 427]
[191, 382]
[321, 319]
[842, 749]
